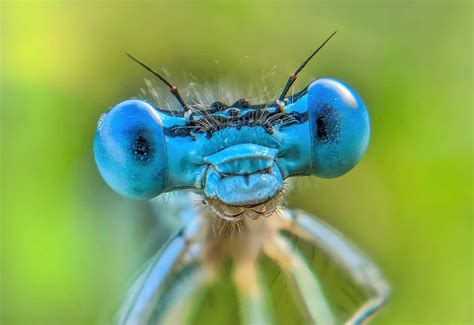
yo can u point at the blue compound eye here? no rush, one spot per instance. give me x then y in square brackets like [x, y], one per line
[130, 151]
[340, 127]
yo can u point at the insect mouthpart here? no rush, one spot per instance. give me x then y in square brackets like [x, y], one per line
[242, 159]
[241, 177]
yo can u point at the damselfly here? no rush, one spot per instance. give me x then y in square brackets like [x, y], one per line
[235, 158]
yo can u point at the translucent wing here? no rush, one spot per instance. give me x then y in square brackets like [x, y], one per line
[353, 285]
[297, 269]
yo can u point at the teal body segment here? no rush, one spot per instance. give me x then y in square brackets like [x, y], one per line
[238, 154]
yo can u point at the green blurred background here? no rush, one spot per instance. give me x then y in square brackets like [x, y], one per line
[70, 245]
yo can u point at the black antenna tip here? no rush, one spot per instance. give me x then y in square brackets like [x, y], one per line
[131, 56]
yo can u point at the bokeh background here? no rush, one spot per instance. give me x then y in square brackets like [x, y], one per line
[70, 245]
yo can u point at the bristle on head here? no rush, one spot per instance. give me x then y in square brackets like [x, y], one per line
[202, 95]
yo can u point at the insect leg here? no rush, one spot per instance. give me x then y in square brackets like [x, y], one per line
[302, 278]
[176, 305]
[251, 293]
[363, 271]
[144, 294]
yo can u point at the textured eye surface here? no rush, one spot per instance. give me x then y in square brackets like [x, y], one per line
[340, 127]
[130, 151]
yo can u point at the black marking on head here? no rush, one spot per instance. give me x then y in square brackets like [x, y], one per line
[241, 103]
[210, 119]
[254, 118]
[233, 112]
[141, 148]
[327, 123]
[219, 106]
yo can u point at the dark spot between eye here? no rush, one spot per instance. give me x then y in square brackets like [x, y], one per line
[327, 123]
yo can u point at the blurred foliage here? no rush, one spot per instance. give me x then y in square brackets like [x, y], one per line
[70, 245]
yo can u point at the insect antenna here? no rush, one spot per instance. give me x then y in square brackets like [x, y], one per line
[293, 77]
[173, 89]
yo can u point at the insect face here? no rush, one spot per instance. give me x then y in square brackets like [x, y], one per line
[236, 155]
